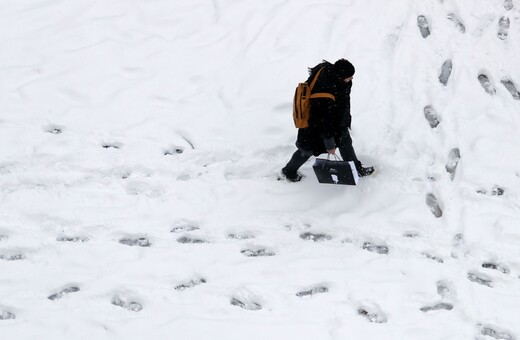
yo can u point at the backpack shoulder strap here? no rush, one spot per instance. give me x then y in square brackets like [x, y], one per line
[313, 82]
[321, 94]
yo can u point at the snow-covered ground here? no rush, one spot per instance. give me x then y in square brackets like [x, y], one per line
[139, 148]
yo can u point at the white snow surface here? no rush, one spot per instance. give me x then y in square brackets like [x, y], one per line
[122, 120]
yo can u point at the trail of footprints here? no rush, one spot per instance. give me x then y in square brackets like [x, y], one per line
[168, 151]
[371, 313]
[431, 115]
[249, 302]
[434, 121]
[503, 27]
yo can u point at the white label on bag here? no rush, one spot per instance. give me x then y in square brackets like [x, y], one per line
[354, 171]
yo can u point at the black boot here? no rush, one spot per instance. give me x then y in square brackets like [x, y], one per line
[291, 176]
[362, 171]
[290, 171]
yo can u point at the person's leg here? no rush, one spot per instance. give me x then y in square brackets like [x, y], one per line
[348, 154]
[345, 147]
[297, 160]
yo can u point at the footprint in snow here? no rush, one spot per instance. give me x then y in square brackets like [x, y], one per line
[54, 129]
[495, 191]
[458, 240]
[453, 161]
[12, 257]
[3, 237]
[458, 244]
[316, 237]
[495, 266]
[258, 252]
[187, 177]
[124, 303]
[424, 26]
[174, 150]
[135, 241]
[190, 284]
[446, 68]
[431, 116]
[112, 145]
[431, 202]
[481, 279]
[444, 290]
[239, 236]
[486, 84]
[63, 292]
[503, 28]
[5, 315]
[300, 226]
[139, 187]
[508, 5]
[436, 307]
[349, 241]
[411, 234]
[191, 240]
[313, 291]
[510, 86]
[376, 248]
[433, 257]
[456, 21]
[372, 314]
[184, 228]
[496, 333]
[77, 239]
[246, 304]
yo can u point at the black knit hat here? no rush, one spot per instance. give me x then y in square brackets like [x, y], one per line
[344, 68]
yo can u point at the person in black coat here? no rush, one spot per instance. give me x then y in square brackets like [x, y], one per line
[329, 120]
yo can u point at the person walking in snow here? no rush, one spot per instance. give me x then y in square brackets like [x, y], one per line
[329, 120]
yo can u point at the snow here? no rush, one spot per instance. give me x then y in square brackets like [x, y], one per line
[141, 142]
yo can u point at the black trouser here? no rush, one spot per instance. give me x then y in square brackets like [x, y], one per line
[345, 149]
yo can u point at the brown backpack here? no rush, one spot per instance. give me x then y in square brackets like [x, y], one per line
[302, 102]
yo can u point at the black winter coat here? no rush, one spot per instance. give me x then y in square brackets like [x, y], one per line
[328, 118]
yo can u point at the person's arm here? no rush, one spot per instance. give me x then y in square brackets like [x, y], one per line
[348, 116]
